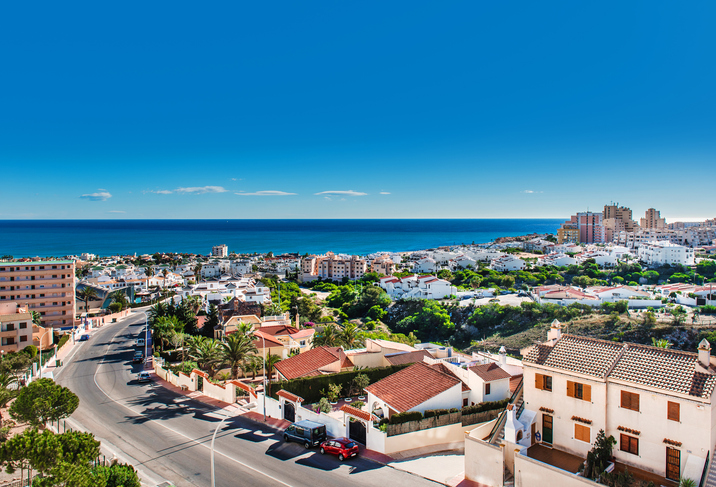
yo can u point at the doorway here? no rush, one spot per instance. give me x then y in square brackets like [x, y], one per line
[547, 428]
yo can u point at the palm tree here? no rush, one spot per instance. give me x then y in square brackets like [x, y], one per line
[119, 297]
[177, 340]
[165, 271]
[349, 336]
[207, 356]
[253, 365]
[87, 294]
[244, 328]
[193, 343]
[237, 349]
[329, 337]
[271, 361]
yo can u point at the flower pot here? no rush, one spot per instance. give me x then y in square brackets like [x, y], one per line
[361, 398]
[333, 403]
[348, 399]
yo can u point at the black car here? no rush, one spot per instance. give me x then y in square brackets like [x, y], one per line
[138, 357]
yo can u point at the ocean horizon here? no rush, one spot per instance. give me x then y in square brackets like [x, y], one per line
[56, 238]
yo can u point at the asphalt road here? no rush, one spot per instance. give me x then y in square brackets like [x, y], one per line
[167, 436]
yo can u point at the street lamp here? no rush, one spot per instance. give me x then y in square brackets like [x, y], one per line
[213, 438]
[146, 332]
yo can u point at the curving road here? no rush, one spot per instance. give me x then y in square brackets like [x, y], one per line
[168, 436]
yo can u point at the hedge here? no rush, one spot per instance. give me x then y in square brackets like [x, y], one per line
[63, 340]
[485, 406]
[309, 388]
[406, 417]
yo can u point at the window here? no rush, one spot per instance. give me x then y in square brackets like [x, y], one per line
[464, 402]
[487, 389]
[629, 444]
[630, 401]
[578, 390]
[673, 411]
[582, 433]
[23, 326]
[543, 382]
[23, 338]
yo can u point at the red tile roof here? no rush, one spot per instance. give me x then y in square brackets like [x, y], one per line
[412, 386]
[446, 370]
[407, 357]
[260, 340]
[289, 396]
[358, 413]
[308, 362]
[490, 372]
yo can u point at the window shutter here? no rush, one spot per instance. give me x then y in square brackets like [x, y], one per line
[587, 393]
[674, 411]
[539, 381]
[570, 388]
[625, 400]
[635, 402]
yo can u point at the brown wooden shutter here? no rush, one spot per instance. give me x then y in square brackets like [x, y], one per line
[587, 392]
[539, 381]
[635, 402]
[625, 400]
[570, 388]
[674, 411]
[582, 433]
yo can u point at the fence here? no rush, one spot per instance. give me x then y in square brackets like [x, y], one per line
[481, 417]
[423, 424]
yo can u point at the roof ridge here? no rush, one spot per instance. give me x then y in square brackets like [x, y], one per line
[454, 377]
[664, 350]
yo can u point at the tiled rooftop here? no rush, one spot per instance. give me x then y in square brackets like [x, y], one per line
[309, 362]
[587, 356]
[490, 372]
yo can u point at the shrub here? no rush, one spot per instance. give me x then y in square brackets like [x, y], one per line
[324, 406]
[485, 406]
[63, 340]
[429, 413]
[406, 417]
[358, 404]
[30, 350]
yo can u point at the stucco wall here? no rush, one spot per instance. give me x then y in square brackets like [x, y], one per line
[334, 427]
[483, 462]
[222, 393]
[185, 380]
[531, 473]
[452, 398]
[429, 437]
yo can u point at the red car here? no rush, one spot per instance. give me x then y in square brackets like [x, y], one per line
[343, 447]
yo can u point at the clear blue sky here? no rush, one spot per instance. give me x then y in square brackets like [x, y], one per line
[356, 109]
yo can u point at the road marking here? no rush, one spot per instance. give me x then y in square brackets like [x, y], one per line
[172, 429]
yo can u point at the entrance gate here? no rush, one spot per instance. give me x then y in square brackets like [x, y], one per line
[289, 412]
[357, 430]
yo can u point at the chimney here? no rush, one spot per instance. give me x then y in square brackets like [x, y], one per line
[555, 331]
[503, 355]
[705, 353]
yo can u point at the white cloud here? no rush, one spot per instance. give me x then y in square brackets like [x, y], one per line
[161, 191]
[267, 193]
[529, 191]
[340, 193]
[116, 211]
[202, 189]
[384, 192]
[101, 196]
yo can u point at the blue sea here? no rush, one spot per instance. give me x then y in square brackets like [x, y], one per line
[56, 238]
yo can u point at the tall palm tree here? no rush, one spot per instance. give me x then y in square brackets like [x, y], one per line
[87, 294]
[244, 328]
[237, 349]
[252, 364]
[119, 297]
[329, 337]
[165, 271]
[193, 343]
[349, 336]
[271, 361]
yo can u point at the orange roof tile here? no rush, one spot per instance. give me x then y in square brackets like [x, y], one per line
[289, 396]
[308, 362]
[358, 413]
[407, 357]
[490, 372]
[412, 386]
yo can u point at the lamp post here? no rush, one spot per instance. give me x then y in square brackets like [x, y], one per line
[213, 438]
[146, 332]
[263, 355]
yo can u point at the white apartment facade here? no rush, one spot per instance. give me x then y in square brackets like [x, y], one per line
[220, 251]
[660, 253]
[508, 263]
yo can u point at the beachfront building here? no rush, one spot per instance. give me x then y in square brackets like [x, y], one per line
[47, 287]
[660, 253]
[333, 267]
[220, 251]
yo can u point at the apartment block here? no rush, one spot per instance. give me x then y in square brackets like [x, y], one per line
[334, 267]
[15, 327]
[220, 251]
[652, 219]
[617, 219]
[47, 287]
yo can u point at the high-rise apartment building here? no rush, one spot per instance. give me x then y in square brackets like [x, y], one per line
[220, 251]
[586, 226]
[652, 219]
[47, 287]
[617, 219]
[568, 233]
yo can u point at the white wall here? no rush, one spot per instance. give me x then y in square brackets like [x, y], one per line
[484, 463]
[532, 473]
[452, 398]
[452, 433]
[334, 427]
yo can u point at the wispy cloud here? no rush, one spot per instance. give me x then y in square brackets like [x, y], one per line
[341, 193]
[100, 196]
[384, 192]
[202, 189]
[529, 191]
[160, 191]
[267, 193]
[116, 211]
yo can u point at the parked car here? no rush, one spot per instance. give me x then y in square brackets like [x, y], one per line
[309, 433]
[138, 357]
[343, 447]
[140, 342]
[84, 338]
[144, 377]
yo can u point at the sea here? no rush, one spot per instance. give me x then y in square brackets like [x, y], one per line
[57, 238]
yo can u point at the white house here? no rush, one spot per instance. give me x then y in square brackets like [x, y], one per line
[210, 270]
[508, 263]
[559, 260]
[425, 265]
[425, 287]
[660, 253]
[601, 258]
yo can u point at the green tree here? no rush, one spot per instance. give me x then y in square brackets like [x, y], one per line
[328, 337]
[661, 343]
[87, 294]
[164, 327]
[236, 350]
[212, 321]
[271, 360]
[43, 401]
[36, 318]
[350, 336]
[207, 355]
[118, 475]
[430, 323]
[273, 309]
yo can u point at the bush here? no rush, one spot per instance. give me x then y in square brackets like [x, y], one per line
[406, 417]
[63, 340]
[115, 307]
[485, 406]
[324, 406]
[429, 413]
[30, 350]
[357, 404]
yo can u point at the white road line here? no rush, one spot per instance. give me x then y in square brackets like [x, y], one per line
[172, 429]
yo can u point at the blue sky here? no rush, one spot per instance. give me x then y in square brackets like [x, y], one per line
[356, 110]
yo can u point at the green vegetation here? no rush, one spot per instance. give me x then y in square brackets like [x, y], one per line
[43, 401]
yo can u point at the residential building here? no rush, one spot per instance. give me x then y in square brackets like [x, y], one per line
[220, 251]
[652, 220]
[383, 265]
[568, 233]
[558, 260]
[617, 219]
[424, 287]
[316, 361]
[657, 403]
[508, 263]
[15, 327]
[333, 267]
[47, 287]
[660, 253]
